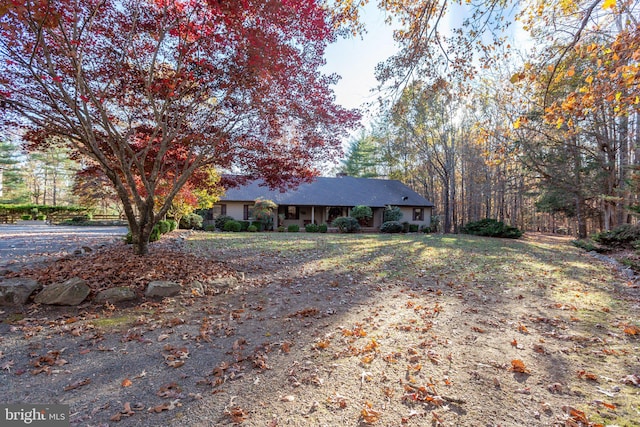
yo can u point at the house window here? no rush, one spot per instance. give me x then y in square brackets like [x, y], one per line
[246, 210]
[218, 210]
[418, 214]
[291, 212]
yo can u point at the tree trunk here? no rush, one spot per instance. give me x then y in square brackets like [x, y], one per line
[141, 226]
[582, 223]
[141, 242]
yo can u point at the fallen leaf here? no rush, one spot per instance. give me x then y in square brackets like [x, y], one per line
[237, 414]
[126, 382]
[576, 414]
[169, 391]
[322, 344]
[77, 384]
[631, 380]
[517, 365]
[555, 388]
[141, 374]
[175, 363]
[168, 406]
[367, 359]
[7, 366]
[607, 405]
[369, 416]
[587, 375]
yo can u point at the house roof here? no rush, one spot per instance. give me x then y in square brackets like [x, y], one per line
[339, 191]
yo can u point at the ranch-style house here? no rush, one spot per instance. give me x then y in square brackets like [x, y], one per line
[325, 199]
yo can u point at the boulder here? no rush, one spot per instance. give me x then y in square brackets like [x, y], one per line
[115, 295]
[197, 288]
[16, 291]
[162, 288]
[71, 292]
[224, 282]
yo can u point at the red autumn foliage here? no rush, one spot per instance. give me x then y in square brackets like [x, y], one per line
[153, 91]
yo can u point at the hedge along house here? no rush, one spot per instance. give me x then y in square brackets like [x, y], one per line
[325, 199]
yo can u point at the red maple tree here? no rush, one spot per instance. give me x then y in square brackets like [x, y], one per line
[154, 90]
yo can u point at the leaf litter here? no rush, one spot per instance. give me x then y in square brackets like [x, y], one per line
[363, 330]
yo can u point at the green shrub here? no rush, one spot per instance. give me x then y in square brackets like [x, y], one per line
[25, 217]
[413, 228]
[262, 211]
[41, 217]
[346, 224]
[361, 213]
[392, 213]
[322, 228]
[173, 224]
[153, 237]
[191, 221]
[221, 221]
[587, 245]
[622, 236]
[258, 225]
[293, 228]
[210, 227]
[163, 226]
[155, 234]
[252, 228]
[244, 225]
[491, 228]
[281, 229]
[233, 225]
[391, 227]
[312, 228]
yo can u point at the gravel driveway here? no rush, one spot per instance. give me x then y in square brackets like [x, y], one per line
[27, 244]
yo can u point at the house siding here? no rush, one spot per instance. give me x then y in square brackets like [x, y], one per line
[323, 197]
[236, 209]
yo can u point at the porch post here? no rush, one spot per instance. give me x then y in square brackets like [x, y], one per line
[313, 214]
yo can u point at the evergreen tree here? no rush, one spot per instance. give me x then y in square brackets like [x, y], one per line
[361, 159]
[12, 186]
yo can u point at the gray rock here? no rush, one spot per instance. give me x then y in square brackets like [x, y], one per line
[16, 291]
[162, 288]
[224, 282]
[197, 287]
[115, 295]
[71, 292]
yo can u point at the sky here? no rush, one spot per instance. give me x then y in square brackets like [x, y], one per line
[355, 59]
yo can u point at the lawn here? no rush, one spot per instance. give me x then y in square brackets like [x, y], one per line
[341, 330]
[530, 331]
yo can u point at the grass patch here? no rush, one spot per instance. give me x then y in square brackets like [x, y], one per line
[114, 322]
[464, 259]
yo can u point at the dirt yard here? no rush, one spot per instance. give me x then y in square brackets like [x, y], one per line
[336, 330]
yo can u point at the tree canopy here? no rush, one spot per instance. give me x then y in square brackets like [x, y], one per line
[152, 91]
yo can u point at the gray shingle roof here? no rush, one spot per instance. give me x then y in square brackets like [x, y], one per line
[339, 191]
